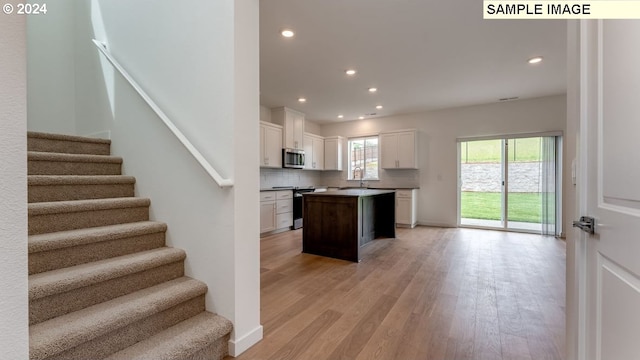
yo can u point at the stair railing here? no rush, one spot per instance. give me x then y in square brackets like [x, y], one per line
[222, 182]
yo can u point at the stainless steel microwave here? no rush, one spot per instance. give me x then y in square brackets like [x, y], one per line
[293, 158]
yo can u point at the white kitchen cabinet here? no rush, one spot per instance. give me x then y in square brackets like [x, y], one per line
[284, 209]
[267, 211]
[270, 145]
[276, 210]
[292, 124]
[399, 150]
[406, 208]
[313, 152]
[333, 153]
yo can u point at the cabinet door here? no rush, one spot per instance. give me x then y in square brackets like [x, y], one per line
[307, 146]
[389, 151]
[403, 211]
[267, 216]
[298, 129]
[332, 154]
[318, 154]
[406, 154]
[273, 147]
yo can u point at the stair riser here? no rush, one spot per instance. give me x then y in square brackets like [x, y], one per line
[69, 147]
[59, 304]
[45, 193]
[217, 350]
[121, 338]
[35, 167]
[82, 254]
[40, 224]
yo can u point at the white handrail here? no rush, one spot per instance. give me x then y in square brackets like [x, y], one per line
[196, 154]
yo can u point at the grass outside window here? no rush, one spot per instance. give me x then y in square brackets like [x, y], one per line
[523, 207]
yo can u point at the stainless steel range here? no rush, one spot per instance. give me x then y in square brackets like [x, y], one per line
[297, 205]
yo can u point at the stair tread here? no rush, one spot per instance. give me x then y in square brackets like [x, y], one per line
[54, 207]
[68, 238]
[74, 277]
[67, 331]
[63, 137]
[179, 341]
[79, 179]
[64, 157]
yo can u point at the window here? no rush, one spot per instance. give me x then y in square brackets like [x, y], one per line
[363, 158]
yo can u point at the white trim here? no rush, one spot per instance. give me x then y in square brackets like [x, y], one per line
[435, 224]
[165, 119]
[509, 136]
[238, 346]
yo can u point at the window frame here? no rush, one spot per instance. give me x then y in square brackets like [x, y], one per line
[364, 138]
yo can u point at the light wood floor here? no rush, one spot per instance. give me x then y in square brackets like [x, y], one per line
[431, 293]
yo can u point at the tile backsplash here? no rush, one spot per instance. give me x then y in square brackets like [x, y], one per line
[289, 177]
[295, 177]
[406, 178]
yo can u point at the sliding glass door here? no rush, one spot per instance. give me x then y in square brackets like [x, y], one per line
[509, 183]
[481, 194]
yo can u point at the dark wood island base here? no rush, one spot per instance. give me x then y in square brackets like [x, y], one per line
[338, 223]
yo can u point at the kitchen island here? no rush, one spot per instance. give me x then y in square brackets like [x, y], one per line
[338, 223]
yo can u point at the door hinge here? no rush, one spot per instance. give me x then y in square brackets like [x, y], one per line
[586, 224]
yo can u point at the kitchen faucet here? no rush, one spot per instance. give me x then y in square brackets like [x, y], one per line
[358, 168]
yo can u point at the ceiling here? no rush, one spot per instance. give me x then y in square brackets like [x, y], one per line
[420, 54]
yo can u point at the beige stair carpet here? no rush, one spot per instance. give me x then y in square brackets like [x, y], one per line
[102, 283]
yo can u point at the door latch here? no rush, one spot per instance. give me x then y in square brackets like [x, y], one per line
[586, 224]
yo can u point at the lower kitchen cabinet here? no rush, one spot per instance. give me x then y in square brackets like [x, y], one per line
[276, 210]
[406, 208]
[284, 209]
[267, 211]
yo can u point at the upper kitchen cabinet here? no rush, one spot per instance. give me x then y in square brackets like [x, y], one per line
[313, 146]
[293, 126]
[333, 153]
[399, 150]
[270, 145]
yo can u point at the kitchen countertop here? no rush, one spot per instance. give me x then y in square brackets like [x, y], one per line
[292, 188]
[351, 192]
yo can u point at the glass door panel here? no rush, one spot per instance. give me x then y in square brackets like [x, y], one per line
[481, 185]
[524, 184]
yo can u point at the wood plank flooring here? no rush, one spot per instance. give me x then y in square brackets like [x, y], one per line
[431, 293]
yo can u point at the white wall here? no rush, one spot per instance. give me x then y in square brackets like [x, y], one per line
[246, 134]
[265, 114]
[14, 329]
[186, 59]
[312, 127]
[438, 130]
[51, 68]
[200, 65]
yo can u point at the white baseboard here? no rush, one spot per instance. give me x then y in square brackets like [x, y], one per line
[238, 346]
[435, 224]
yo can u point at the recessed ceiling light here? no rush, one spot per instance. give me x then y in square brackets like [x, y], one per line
[302, 100]
[372, 90]
[535, 60]
[361, 117]
[287, 33]
[350, 72]
[340, 116]
[378, 107]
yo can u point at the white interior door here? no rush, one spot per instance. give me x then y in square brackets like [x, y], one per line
[609, 188]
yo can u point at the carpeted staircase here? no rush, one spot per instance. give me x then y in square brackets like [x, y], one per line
[102, 283]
